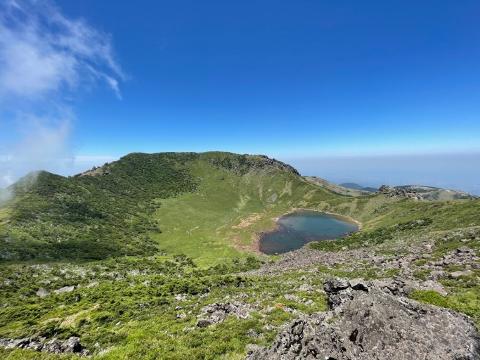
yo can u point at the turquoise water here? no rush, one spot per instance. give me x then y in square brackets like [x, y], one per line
[301, 227]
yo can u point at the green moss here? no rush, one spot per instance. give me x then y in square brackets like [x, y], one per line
[463, 296]
[430, 297]
[422, 274]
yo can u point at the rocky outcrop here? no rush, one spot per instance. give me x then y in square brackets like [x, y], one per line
[97, 171]
[42, 293]
[243, 164]
[399, 192]
[65, 289]
[277, 164]
[418, 192]
[71, 346]
[367, 322]
[218, 312]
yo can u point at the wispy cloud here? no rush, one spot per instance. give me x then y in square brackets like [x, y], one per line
[42, 51]
[46, 59]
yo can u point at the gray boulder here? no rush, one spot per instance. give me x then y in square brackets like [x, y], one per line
[42, 293]
[218, 312]
[65, 289]
[55, 346]
[367, 322]
[72, 345]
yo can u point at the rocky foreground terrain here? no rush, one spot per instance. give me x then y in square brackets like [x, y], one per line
[373, 320]
[377, 319]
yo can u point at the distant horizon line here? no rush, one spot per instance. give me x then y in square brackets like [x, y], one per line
[336, 173]
[101, 157]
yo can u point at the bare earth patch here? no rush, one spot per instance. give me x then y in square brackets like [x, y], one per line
[246, 222]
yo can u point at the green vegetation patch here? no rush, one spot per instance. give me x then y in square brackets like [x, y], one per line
[148, 307]
[370, 238]
[92, 217]
[463, 296]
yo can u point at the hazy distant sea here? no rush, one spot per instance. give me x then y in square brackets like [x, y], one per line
[453, 171]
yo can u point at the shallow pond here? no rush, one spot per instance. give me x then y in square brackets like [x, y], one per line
[296, 229]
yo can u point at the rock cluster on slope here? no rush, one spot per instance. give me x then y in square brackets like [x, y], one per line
[418, 192]
[367, 322]
[55, 346]
[399, 192]
[218, 312]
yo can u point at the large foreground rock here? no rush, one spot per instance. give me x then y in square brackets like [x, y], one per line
[369, 322]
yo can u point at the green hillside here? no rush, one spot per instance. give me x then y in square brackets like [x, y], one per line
[207, 206]
[127, 256]
[91, 217]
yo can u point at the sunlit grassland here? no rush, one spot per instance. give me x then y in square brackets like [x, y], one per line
[135, 315]
[220, 220]
[223, 218]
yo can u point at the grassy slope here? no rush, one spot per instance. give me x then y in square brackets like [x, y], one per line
[227, 211]
[194, 199]
[54, 217]
[127, 305]
[135, 310]
[211, 227]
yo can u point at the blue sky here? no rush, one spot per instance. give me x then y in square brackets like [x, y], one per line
[295, 80]
[283, 77]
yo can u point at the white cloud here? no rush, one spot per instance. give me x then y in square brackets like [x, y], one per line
[46, 58]
[43, 140]
[42, 51]
[44, 145]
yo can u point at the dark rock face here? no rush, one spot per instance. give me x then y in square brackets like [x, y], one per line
[366, 322]
[72, 345]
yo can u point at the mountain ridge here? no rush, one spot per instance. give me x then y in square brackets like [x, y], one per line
[119, 199]
[124, 207]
